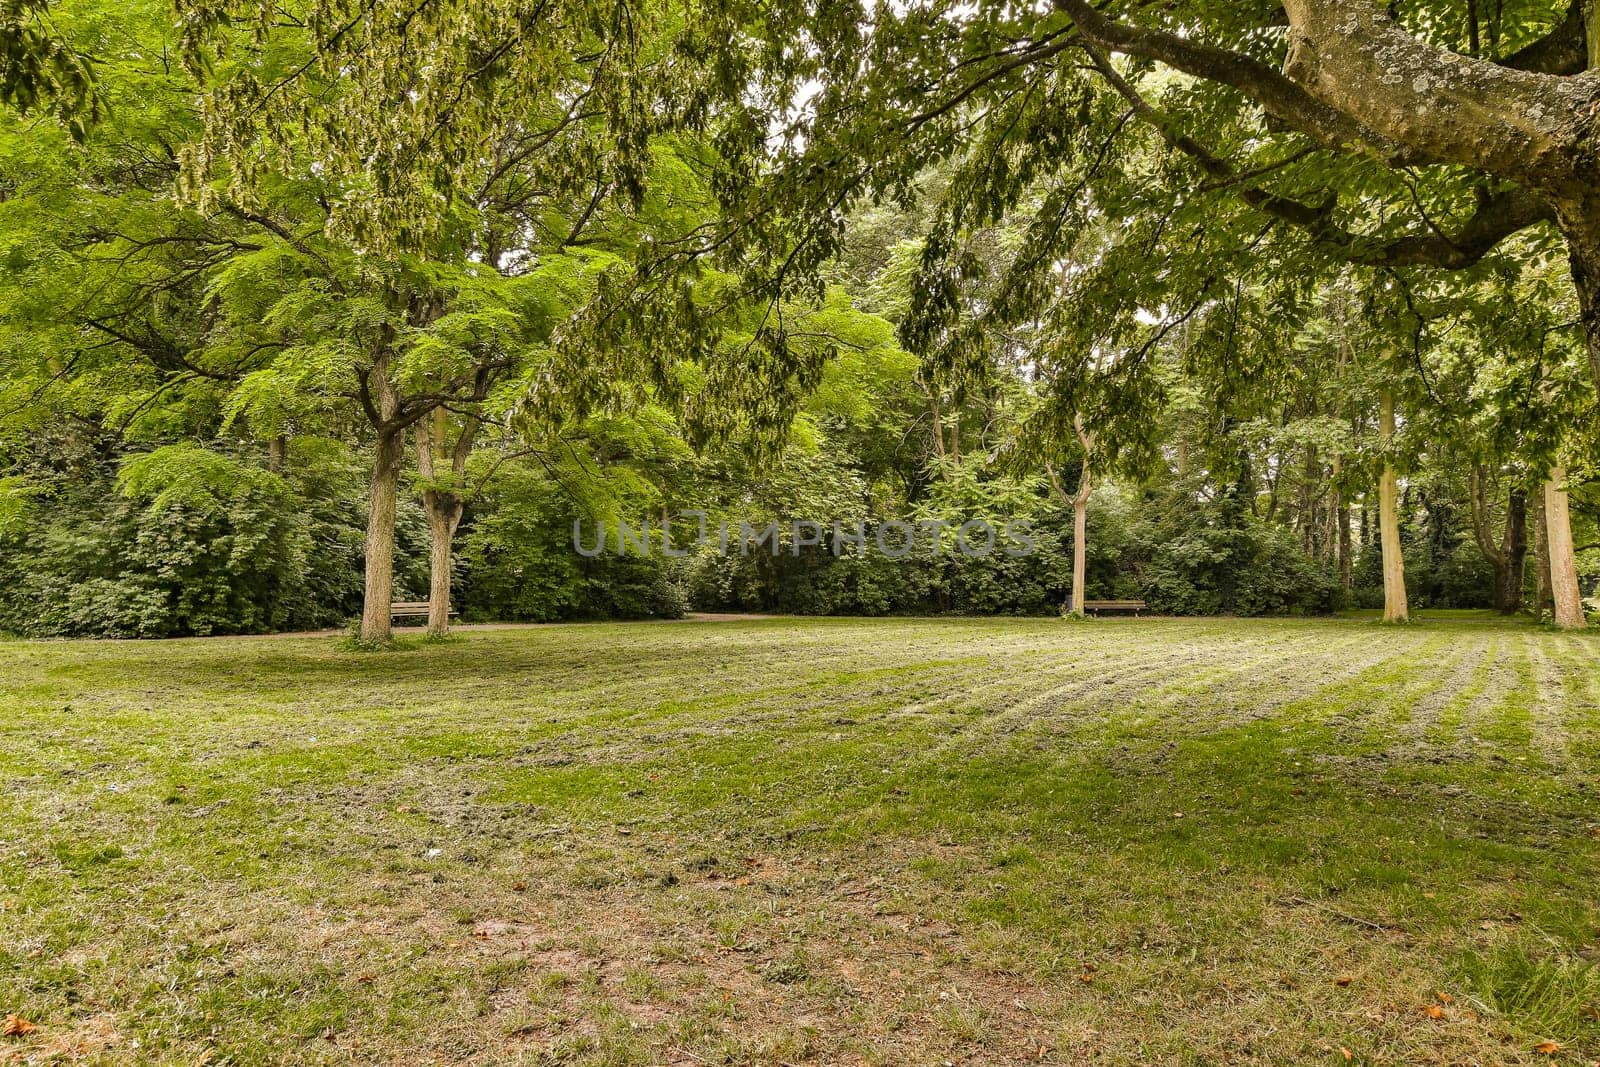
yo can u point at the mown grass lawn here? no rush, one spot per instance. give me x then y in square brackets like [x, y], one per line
[822, 841]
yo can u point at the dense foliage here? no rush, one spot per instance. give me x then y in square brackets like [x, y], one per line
[294, 324]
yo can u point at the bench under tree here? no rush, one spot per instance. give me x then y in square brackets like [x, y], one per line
[1113, 607]
[412, 609]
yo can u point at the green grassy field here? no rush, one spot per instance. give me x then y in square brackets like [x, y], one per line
[829, 841]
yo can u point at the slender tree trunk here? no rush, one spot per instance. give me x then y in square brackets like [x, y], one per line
[1515, 551]
[1310, 473]
[1080, 531]
[1330, 531]
[1478, 496]
[1080, 518]
[444, 504]
[1080, 515]
[1080, 541]
[1344, 544]
[376, 613]
[444, 517]
[1395, 608]
[1541, 559]
[1277, 463]
[1563, 560]
[1499, 595]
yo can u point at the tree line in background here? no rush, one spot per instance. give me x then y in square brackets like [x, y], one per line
[275, 351]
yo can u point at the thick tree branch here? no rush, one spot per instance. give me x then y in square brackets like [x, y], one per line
[1498, 216]
[1354, 77]
[1523, 126]
[1280, 96]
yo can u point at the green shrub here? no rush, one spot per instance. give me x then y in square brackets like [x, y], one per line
[516, 562]
[185, 540]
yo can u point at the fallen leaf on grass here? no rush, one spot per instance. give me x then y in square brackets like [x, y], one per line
[1343, 979]
[1547, 1048]
[1346, 1053]
[16, 1026]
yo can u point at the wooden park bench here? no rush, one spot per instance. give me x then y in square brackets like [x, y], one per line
[1099, 607]
[411, 609]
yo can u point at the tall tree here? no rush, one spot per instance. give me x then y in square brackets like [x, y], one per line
[1395, 607]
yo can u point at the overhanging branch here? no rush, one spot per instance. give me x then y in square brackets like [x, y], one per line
[1280, 96]
[1499, 215]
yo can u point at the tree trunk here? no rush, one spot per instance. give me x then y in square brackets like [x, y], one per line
[1563, 560]
[1080, 542]
[1515, 551]
[1499, 594]
[1395, 608]
[1080, 531]
[1541, 559]
[1580, 225]
[444, 504]
[444, 517]
[1345, 554]
[1497, 555]
[1080, 515]
[1330, 530]
[376, 617]
[278, 453]
[1310, 474]
[1080, 518]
